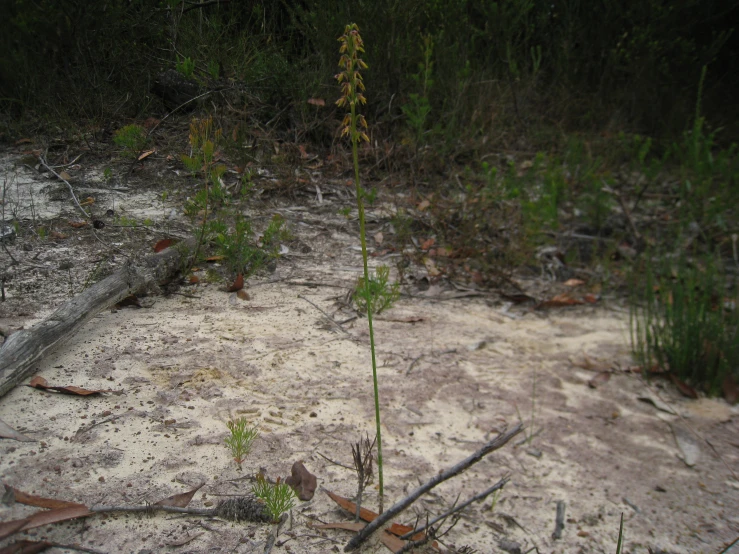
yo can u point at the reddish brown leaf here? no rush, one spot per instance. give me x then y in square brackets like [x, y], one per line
[590, 298]
[40, 383]
[345, 525]
[45, 517]
[600, 378]
[89, 201]
[179, 500]
[38, 501]
[151, 122]
[215, 258]
[369, 515]
[731, 390]
[7, 528]
[351, 507]
[302, 481]
[316, 102]
[243, 294]
[559, 301]
[194, 279]
[391, 541]
[57, 236]
[684, 388]
[238, 284]
[26, 547]
[164, 244]
[23, 141]
[145, 155]
[428, 243]
[78, 224]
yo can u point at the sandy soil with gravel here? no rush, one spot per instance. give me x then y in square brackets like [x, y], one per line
[454, 372]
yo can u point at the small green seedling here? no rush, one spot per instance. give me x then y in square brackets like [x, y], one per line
[379, 294]
[241, 439]
[132, 138]
[277, 498]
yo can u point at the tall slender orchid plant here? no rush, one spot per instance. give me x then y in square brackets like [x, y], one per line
[355, 127]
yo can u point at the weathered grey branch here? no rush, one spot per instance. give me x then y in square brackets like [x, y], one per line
[497, 486]
[498, 442]
[23, 349]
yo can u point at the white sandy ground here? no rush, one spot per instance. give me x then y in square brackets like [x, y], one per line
[452, 374]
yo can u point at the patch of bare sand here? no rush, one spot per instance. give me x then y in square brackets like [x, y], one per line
[447, 383]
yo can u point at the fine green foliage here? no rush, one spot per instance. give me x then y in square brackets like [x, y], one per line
[278, 498]
[684, 319]
[241, 438]
[354, 126]
[132, 138]
[418, 107]
[378, 295]
[186, 66]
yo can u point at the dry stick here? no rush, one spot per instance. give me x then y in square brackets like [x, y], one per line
[74, 197]
[498, 442]
[273, 535]
[499, 485]
[71, 190]
[331, 319]
[559, 521]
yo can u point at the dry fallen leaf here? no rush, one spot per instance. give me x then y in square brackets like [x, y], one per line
[428, 243]
[600, 378]
[66, 176]
[7, 432]
[302, 481]
[40, 383]
[369, 515]
[574, 282]
[379, 237]
[423, 205]
[78, 224]
[179, 500]
[685, 389]
[431, 268]
[163, 244]
[40, 519]
[316, 102]
[241, 293]
[687, 444]
[145, 155]
[38, 501]
[238, 283]
[559, 301]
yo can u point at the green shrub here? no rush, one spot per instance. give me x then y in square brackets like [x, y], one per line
[132, 138]
[685, 319]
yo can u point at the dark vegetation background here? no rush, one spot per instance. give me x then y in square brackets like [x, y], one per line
[604, 65]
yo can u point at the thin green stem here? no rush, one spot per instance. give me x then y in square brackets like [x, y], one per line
[360, 210]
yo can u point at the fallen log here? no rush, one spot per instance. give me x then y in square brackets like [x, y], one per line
[23, 349]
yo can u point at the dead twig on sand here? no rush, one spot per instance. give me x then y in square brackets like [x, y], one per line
[330, 319]
[42, 161]
[498, 442]
[497, 486]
